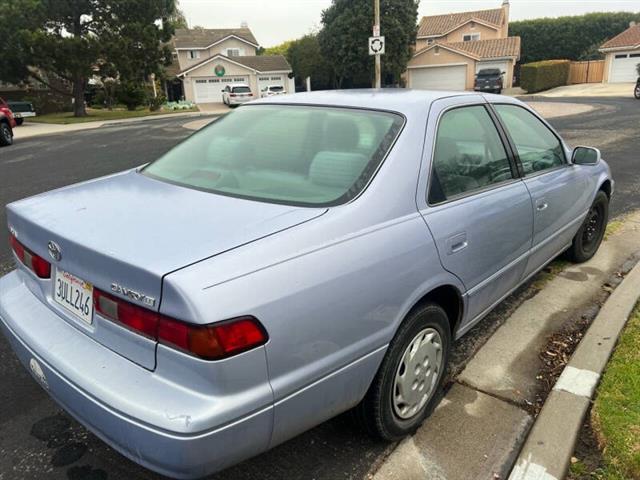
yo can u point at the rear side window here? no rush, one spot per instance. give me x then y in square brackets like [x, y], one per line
[538, 148]
[469, 155]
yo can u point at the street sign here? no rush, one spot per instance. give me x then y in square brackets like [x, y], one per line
[376, 45]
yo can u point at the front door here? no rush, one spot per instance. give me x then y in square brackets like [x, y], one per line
[478, 210]
[560, 192]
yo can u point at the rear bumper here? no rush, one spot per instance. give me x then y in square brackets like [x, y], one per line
[51, 349]
[239, 101]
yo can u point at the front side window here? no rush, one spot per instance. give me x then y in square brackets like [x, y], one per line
[287, 154]
[468, 156]
[537, 147]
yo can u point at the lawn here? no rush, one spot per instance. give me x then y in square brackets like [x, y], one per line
[616, 411]
[94, 115]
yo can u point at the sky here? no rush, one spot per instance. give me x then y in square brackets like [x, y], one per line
[275, 21]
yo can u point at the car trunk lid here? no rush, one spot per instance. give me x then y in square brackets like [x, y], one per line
[123, 233]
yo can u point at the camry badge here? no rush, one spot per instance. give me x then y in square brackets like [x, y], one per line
[54, 251]
[133, 295]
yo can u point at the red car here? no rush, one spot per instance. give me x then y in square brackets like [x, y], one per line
[7, 124]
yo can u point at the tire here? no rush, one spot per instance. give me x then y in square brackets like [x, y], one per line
[636, 92]
[19, 121]
[379, 413]
[6, 135]
[589, 237]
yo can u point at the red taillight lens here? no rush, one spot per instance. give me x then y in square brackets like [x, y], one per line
[213, 342]
[210, 342]
[233, 95]
[35, 263]
[136, 318]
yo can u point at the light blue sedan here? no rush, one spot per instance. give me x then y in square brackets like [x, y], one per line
[299, 257]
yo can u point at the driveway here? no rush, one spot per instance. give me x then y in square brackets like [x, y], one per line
[591, 90]
[37, 440]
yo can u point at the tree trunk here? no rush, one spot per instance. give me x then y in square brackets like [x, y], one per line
[78, 98]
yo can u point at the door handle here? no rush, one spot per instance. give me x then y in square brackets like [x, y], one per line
[457, 243]
[542, 206]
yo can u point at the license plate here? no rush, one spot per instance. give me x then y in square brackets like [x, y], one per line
[75, 295]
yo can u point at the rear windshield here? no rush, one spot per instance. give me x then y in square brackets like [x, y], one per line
[298, 155]
[241, 90]
[489, 72]
[276, 89]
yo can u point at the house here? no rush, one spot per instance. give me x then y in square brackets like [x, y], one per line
[622, 54]
[206, 60]
[451, 48]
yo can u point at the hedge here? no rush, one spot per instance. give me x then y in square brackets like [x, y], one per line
[538, 76]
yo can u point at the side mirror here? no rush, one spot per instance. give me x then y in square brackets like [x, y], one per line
[585, 156]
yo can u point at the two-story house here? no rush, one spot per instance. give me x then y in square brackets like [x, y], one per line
[207, 60]
[452, 48]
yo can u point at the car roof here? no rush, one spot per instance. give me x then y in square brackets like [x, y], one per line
[239, 85]
[401, 100]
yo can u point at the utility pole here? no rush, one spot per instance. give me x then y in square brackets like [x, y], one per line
[376, 33]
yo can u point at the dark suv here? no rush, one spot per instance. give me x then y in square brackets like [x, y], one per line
[489, 80]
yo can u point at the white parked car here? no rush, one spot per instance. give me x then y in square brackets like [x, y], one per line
[272, 90]
[236, 94]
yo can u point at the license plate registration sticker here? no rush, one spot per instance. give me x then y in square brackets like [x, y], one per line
[75, 295]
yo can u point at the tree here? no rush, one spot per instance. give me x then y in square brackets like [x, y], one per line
[306, 60]
[569, 38]
[281, 49]
[346, 26]
[66, 40]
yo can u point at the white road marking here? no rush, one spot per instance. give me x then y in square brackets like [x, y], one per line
[577, 381]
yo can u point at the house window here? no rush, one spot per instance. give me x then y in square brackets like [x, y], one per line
[233, 52]
[472, 25]
[263, 79]
[634, 55]
[193, 54]
[621, 56]
[276, 78]
[471, 37]
[238, 79]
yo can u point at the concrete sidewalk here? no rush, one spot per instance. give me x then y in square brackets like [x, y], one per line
[589, 90]
[34, 129]
[480, 426]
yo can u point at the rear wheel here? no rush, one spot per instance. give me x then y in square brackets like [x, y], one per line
[6, 135]
[408, 384]
[636, 92]
[589, 237]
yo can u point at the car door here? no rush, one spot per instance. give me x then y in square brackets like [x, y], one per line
[560, 192]
[477, 209]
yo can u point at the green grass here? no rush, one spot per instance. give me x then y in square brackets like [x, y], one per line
[612, 228]
[616, 412]
[549, 272]
[95, 115]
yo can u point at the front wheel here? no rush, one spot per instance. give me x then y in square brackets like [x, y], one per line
[636, 92]
[408, 384]
[6, 135]
[589, 237]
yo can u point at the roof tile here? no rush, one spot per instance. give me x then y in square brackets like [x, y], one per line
[441, 24]
[203, 37]
[260, 63]
[629, 38]
[484, 49]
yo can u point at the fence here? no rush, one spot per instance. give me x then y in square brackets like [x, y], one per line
[586, 72]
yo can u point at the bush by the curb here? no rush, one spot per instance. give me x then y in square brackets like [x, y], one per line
[539, 76]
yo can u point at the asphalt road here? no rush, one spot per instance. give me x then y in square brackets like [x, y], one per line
[37, 439]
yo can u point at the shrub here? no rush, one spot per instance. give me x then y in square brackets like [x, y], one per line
[538, 76]
[156, 102]
[132, 95]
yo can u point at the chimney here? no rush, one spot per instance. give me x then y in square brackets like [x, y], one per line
[505, 9]
[244, 24]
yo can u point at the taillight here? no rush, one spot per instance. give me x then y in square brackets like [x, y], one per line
[210, 342]
[233, 95]
[213, 341]
[33, 262]
[136, 318]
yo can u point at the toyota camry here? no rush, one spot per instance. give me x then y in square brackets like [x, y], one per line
[299, 257]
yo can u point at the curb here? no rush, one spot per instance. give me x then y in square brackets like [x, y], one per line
[548, 449]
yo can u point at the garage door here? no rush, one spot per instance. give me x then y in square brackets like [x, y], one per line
[209, 89]
[439, 78]
[266, 80]
[623, 67]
